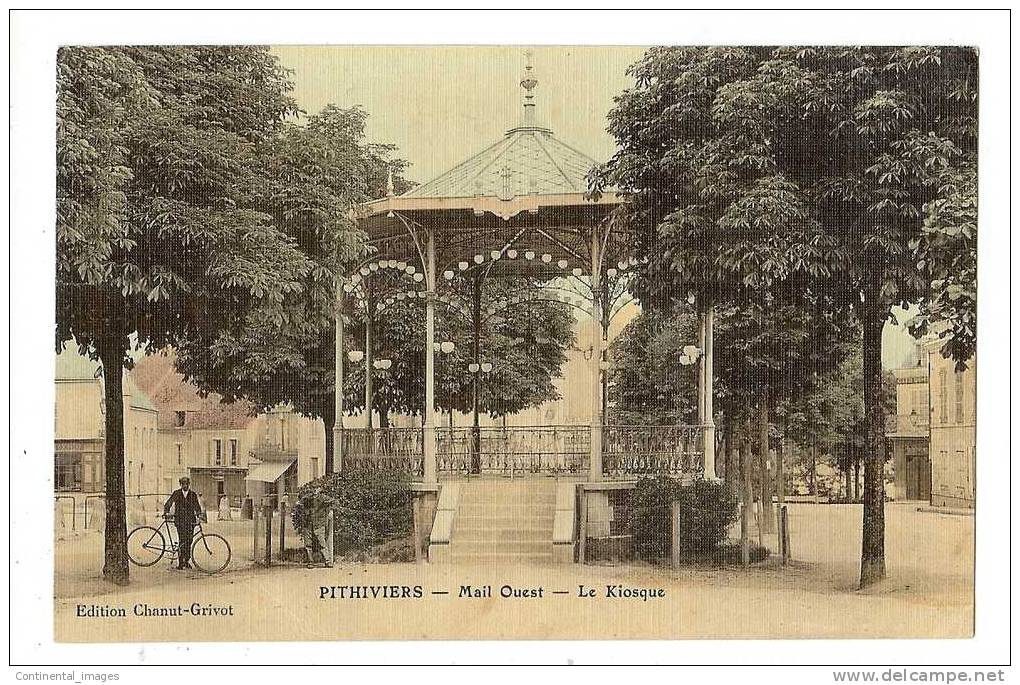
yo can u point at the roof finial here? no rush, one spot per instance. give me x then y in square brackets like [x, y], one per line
[528, 82]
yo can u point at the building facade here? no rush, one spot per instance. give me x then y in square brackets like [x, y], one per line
[79, 431]
[907, 434]
[953, 432]
[224, 447]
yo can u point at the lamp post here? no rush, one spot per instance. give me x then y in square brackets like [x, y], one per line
[476, 369]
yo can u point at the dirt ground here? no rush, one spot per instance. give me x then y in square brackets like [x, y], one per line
[928, 593]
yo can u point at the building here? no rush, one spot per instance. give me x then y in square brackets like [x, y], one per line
[79, 430]
[952, 431]
[907, 434]
[227, 449]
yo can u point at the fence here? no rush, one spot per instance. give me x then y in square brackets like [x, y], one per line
[276, 540]
[671, 531]
[87, 512]
[627, 451]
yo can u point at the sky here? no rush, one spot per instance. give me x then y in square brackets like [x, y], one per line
[441, 104]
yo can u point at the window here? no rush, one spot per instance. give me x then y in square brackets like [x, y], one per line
[959, 396]
[943, 397]
[179, 418]
[67, 471]
[218, 451]
[180, 454]
[233, 452]
[315, 467]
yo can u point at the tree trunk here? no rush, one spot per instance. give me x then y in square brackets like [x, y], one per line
[747, 497]
[115, 565]
[873, 533]
[727, 460]
[763, 465]
[780, 476]
[813, 475]
[329, 422]
[857, 479]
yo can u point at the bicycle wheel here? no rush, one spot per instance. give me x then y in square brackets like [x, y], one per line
[146, 546]
[210, 552]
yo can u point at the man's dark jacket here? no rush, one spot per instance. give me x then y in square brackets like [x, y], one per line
[186, 508]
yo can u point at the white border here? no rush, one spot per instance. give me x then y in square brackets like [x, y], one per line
[34, 39]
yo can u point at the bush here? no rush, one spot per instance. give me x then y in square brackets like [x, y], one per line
[707, 510]
[369, 508]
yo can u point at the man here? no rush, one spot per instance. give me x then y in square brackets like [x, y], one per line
[187, 511]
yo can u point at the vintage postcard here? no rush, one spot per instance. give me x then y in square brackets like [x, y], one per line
[514, 342]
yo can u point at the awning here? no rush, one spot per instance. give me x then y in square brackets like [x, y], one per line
[269, 471]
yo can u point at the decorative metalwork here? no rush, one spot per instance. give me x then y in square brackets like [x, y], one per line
[390, 449]
[629, 451]
[516, 449]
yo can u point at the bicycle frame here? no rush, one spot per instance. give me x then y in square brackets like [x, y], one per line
[171, 535]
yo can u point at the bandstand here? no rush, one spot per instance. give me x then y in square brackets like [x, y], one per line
[518, 208]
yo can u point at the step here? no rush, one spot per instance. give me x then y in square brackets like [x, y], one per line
[486, 507]
[515, 522]
[501, 558]
[501, 546]
[510, 535]
[508, 496]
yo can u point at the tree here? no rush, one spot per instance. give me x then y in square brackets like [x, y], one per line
[313, 176]
[781, 170]
[526, 343]
[647, 383]
[157, 236]
[947, 251]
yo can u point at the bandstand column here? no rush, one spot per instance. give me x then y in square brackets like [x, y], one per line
[430, 466]
[709, 375]
[369, 357]
[334, 462]
[595, 460]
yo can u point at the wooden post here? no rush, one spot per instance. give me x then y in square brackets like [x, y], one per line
[745, 509]
[254, 534]
[416, 519]
[784, 522]
[267, 511]
[283, 527]
[674, 548]
[329, 545]
[582, 533]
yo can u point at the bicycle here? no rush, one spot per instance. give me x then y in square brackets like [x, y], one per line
[147, 545]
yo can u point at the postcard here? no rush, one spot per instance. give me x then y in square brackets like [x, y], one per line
[514, 342]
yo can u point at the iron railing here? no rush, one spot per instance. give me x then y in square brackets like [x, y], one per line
[627, 451]
[652, 450]
[388, 449]
[514, 449]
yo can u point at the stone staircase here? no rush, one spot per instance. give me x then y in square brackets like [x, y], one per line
[502, 521]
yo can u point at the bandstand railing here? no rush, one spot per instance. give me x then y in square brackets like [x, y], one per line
[383, 449]
[516, 449]
[627, 451]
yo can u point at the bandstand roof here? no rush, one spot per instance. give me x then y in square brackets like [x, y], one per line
[525, 190]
